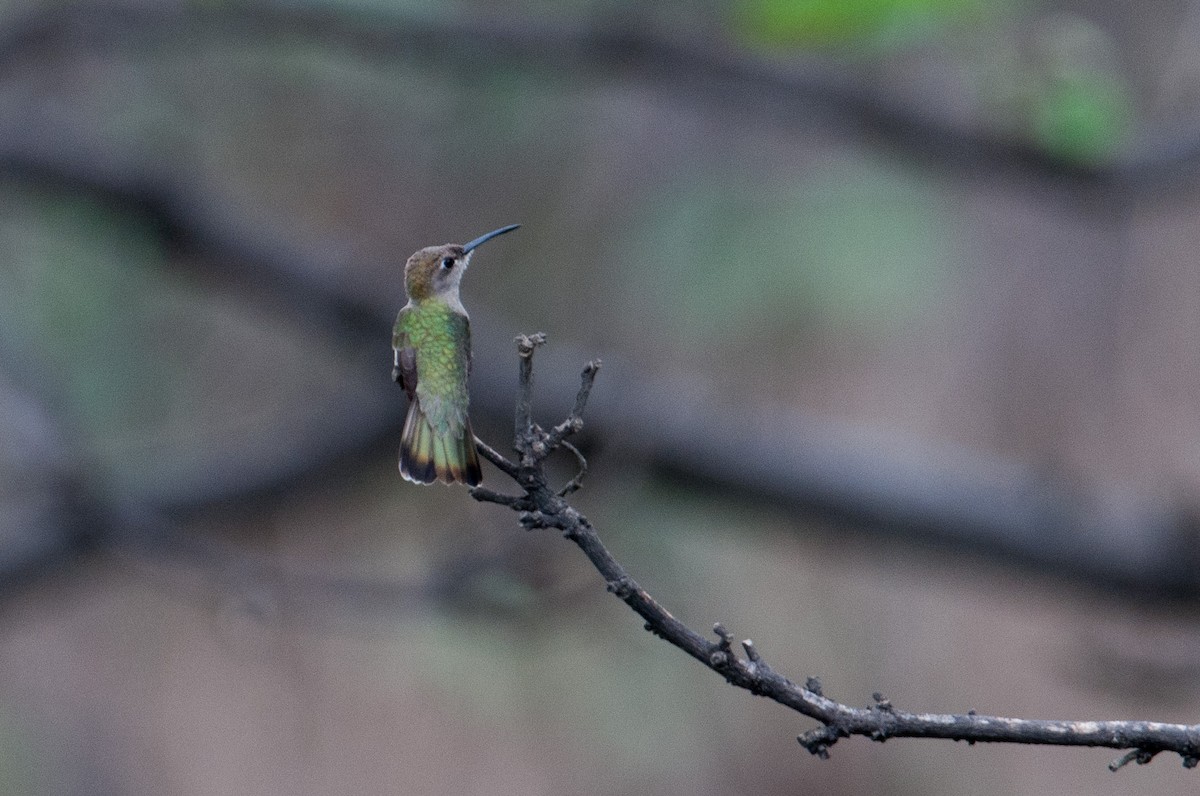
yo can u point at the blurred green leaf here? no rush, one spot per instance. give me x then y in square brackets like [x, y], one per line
[1082, 118]
[833, 22]
[1082, 103]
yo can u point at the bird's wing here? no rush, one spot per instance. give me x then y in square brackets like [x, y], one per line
[404, 368]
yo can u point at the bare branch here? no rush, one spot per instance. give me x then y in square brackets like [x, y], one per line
[576, 483]
[495, 457]
[523, 436]
[574, 422]
[485, 495]
[543, 508]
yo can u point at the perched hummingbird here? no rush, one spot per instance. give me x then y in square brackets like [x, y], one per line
[432, 345]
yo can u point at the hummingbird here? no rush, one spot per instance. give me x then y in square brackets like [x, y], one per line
[432, 360]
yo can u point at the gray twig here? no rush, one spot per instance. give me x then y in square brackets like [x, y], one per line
[485, 495]
[542, 507]
[495, 457]
[524, 438]
[1141, 756]
[574, 422]
[575, 483]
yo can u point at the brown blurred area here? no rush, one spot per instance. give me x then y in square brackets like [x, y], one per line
[900, 313]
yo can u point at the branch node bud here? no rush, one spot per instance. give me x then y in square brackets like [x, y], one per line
[622, 587]
[532, 520]
[818, 741]
[526, 343]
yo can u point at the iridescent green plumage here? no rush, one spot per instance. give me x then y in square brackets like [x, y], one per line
[437, 442]
[432, 344]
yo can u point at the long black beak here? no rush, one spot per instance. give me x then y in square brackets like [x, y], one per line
[467, 247]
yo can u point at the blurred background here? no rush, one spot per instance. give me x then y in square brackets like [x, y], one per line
[900, 313]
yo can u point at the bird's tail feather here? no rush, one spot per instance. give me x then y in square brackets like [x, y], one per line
[427, 456]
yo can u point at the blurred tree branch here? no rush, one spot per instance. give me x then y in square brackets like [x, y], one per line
[952, 496]
[541, 506]
[712, 71]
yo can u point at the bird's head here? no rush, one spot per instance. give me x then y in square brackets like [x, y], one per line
[436, 271]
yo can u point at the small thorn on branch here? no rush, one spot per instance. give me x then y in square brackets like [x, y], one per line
[1139, 756]
[726, 642]
[813, 684]
[721, 652]
[751, 651]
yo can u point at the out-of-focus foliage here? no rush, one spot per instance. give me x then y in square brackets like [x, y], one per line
[1064, 90]
[128, 355]
[1081, 103]
[74, 296]
[663, 231]
[853, 244]
[1082, 116]
[841, 23]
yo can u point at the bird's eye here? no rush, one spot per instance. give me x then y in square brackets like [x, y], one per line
[448, 262]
